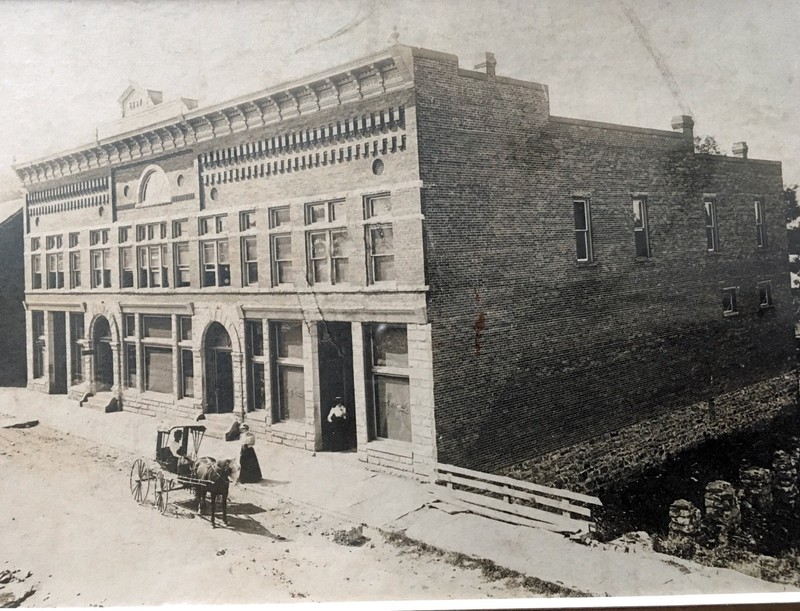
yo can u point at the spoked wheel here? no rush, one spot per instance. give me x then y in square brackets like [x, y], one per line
[140, 481]
[161, 492]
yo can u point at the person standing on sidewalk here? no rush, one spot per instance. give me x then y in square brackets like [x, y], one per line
[248, 461]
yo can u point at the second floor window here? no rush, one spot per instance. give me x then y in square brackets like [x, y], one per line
[281, 259]
[640, 231]
[36, 271]
[712, 237]
[729, 301]
[98, 236]
[250, 261]
[216, 263]
[583, 230]
[55, 270]
[126, 271]
[75, 269]
[153, 266]
[182, 273]
[328, 256]
[380, 253]
[101, 268]
[761, 233]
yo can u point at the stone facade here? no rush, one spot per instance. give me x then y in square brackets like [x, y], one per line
[484, 340]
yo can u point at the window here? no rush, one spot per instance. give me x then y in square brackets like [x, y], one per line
[75, 269]
[124, 234]
[765, 294]
[247, 220]
[126, 267]
[377, 206]
[157, 327]
[325, 212]
[278, 217]
[153, 266]
[583, 230]
[53, 242]
[216, 264]
[101, 268]
[182, 274]
[186, 356]
[180, 228]
[129, 325]
[729, 305]
[35, 244]
[640, 231]
[36, 271]
[76, 349]
[158, 369]
[213, 224]
[380, 252]
[98, 236]
[250, 261]
[151, 231]
[761, 232]
[154, 188]
[129, 350]
[254, 347]
[288, 377]
[74, 240]
[55, 270]
[38, 336]
[326, 248]
[712, 238]
[281, 259]
[389, 381]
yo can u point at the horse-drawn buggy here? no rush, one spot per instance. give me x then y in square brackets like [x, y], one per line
[177, 467]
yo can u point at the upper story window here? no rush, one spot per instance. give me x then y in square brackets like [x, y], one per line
[35, 244]
[55, 270]
[583, 230]
[124, 234]
[151, 231]
[712, 236]
[765, 294]
[53, 242]
[729, 301]
[761, 232]
[98, 236]
[380, 238]
[74, 240]
[280, 245]
[75, 269]
[216, 263]
[247, 220]
[101, 268]
[640, 229]
[36, 271]
[180, 228]
[327, 246]
[211, 225]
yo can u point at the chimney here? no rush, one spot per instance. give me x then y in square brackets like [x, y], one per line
[683, 123]
[740, 149]
[490, 64]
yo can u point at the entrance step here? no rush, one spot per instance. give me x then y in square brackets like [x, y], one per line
[217, 424]
[103, 402]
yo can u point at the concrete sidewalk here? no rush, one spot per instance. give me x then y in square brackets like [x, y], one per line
[338, 484]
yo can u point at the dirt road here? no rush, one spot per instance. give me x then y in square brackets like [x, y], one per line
[67, 516]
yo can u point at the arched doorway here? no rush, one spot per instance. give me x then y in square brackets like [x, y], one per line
[219, 370]
[103, 356]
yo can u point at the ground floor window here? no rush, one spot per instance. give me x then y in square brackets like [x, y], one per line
[387, 360]
[288, 374]
[131, 380]
[158, 369]
[187, 373]
[37, 332]
[254, 353]
[77, 333]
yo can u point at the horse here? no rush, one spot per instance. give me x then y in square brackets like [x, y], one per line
[216, 476]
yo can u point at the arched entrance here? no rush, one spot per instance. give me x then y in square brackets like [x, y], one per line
[219, 370]
[103, 356]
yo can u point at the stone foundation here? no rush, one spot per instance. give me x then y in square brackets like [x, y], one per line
[622, 455]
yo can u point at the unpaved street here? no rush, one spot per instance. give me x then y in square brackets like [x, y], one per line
[68, 517]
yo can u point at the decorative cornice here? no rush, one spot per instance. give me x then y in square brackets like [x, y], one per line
[368, 78]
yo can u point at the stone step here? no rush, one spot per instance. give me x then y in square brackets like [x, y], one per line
[103, 402]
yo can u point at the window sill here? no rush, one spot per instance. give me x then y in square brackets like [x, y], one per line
[289, 426]
[730, 314]
[391, 446]
[714, 253]
[586, 264]
[645, 261]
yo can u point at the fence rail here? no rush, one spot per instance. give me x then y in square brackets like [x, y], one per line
[515, 501]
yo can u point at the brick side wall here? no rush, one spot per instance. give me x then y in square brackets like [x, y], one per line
[611, 457]
[12, 319]
[533, 352]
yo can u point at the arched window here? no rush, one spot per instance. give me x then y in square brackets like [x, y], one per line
[154, 188]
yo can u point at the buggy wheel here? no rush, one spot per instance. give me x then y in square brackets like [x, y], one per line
[161, 492]
[139, 481]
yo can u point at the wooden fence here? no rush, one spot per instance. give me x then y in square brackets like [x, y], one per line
[515, 501]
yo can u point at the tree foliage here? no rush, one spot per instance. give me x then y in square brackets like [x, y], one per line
[706, 145]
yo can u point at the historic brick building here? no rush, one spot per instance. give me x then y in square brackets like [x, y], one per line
[483, 283]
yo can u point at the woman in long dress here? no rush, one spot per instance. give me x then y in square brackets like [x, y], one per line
[248, 461]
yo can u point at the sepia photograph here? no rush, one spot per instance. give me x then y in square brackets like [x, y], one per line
[410, 303]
